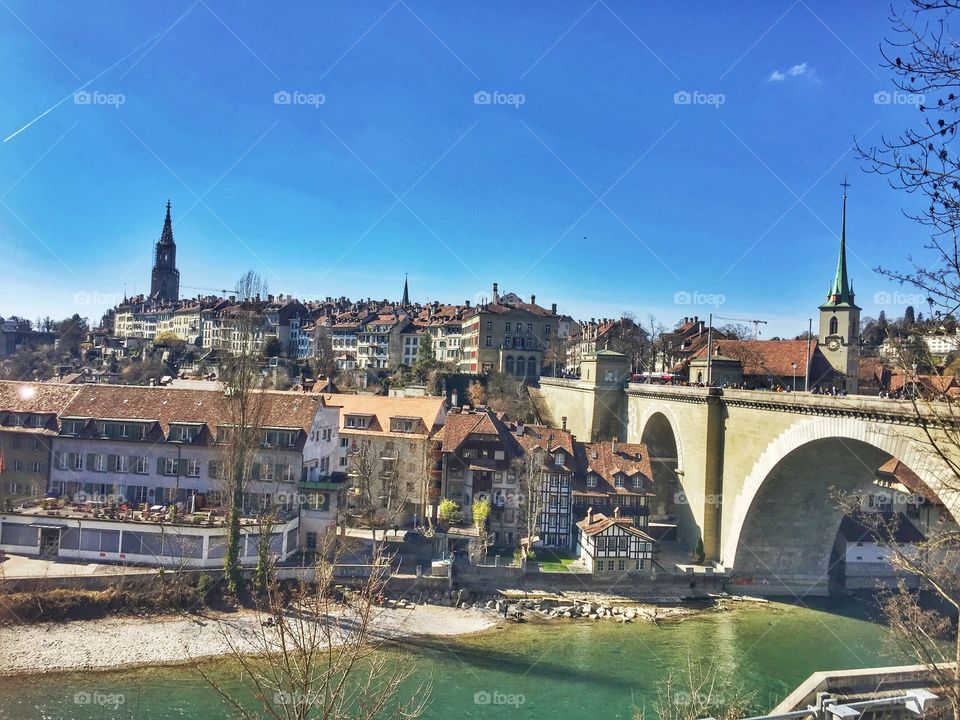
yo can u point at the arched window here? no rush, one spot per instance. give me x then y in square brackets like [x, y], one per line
[521, 367]
[508, 365]
[532, 367]
[833, 326]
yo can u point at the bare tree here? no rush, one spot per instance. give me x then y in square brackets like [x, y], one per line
[699, 691]
[241, 436]
[529, 470]
[315, 652]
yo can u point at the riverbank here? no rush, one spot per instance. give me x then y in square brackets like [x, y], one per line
[127, 642]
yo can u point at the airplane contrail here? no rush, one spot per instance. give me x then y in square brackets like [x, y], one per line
[93, 79]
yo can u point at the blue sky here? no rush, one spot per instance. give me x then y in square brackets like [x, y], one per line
[578, 172]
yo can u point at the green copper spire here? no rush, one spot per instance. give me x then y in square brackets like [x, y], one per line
[841, 292]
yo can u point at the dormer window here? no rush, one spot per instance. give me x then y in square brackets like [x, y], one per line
[402, 425]
[638, 481]
[619, 480]
[560, 457]
[591, 480]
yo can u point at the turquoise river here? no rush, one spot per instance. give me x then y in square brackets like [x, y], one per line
[580, 669]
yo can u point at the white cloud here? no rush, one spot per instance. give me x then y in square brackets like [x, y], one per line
[795, 71]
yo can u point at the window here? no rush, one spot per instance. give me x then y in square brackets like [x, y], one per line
[619, 480]
[638, 481]
[344, 442]
[170, 466]
[343, 462]
[488, 341]
[327, 434]
[560, 458]
[78, 461]
[506, 327]
[18, 465]
[193, 468]
[489, 325]
[529, 327]
[591, 480]
[266, 471]
[100, 463]
[35, 468]
[833, 326]
[123, 463]
[622, 564]
[325, 464]
[546, 329]
[311, 541]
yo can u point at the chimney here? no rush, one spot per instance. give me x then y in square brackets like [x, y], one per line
[553, 308]
[590, 515]
[453, 397]
[616, 512]
[533, 299]
[563, 423]
[613, 446]
[496, 295]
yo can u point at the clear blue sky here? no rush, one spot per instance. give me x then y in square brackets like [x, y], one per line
[399, 169]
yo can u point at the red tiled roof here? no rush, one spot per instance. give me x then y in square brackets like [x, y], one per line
[765, 357]
[606, 460]
[33, 397]
[601, 522]
[192, 406]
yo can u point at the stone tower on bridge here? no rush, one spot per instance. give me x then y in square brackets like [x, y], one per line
[165, 278]
[840, 317]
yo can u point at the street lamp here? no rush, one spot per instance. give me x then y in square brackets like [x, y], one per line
[794, 366]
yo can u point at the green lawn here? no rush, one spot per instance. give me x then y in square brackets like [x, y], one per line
[551, 561]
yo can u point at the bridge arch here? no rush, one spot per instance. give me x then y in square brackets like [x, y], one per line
[660, 432]
[787, 491]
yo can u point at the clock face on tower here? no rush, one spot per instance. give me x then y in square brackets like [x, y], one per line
[833, 343]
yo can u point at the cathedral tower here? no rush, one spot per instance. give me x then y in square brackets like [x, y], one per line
[165, 279]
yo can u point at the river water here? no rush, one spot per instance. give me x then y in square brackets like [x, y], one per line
[581, 669]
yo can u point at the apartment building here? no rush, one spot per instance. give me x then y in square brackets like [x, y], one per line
[28, 424]
[124, 456]
[386, 451]
[509, 336]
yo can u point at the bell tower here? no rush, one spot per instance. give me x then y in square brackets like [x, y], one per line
[165, 278]
[840, 317]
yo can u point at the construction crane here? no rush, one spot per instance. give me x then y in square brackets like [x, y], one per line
[204, 289]
[756, 323]
[756, 333]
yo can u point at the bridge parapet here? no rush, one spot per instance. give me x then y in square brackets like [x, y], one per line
[860, 406]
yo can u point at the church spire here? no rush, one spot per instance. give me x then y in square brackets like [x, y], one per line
[406, 292]
[840, 290]
[166, 237]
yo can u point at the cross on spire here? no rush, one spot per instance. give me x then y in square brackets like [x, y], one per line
[844, 185]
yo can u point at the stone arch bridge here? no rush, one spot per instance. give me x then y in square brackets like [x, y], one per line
[752, 473]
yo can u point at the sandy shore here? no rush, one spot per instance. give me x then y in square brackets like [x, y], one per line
[125, 642]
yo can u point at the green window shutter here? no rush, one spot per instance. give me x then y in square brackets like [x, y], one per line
[132, 463]
[112, 463]
[183, 467]
[91, 464]
[279, 472]
[160, 463]
[255, 471]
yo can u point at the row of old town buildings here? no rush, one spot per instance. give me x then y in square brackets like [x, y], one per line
[136, 474]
